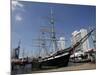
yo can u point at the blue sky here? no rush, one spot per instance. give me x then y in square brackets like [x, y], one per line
[28, 17]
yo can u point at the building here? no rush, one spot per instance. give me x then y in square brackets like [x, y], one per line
[61, 43]
[76, 36]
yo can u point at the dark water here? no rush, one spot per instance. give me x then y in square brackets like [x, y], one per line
[21, 69]
[28, 68]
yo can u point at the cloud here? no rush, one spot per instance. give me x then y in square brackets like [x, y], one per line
[17, 5]
[18, 17]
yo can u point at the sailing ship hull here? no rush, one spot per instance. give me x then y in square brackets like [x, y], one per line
[59, 61]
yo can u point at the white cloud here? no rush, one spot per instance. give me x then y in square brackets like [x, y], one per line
[17, 5]
[18, 18]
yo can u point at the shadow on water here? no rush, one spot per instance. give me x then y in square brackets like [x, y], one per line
[27, 69]
[21, 69]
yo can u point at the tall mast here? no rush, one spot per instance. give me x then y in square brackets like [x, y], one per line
[53, 34]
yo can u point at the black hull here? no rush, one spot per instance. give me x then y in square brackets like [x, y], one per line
[59, 62]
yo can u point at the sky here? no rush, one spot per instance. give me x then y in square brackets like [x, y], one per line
[27, 18]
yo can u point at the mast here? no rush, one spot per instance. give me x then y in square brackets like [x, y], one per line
[53, 34]
[23, 54]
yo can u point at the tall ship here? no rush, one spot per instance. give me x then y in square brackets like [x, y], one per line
[58, 57]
